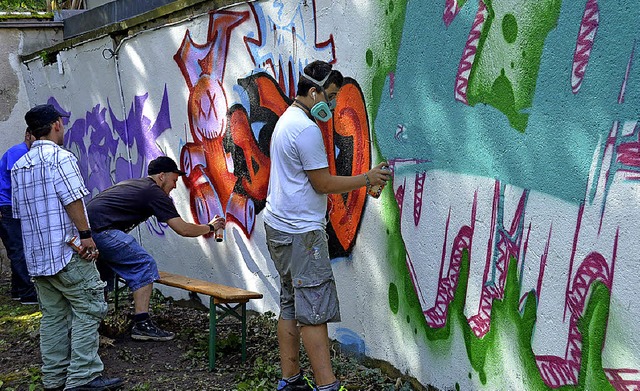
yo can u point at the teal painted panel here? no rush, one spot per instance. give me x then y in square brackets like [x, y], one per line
[554, 152]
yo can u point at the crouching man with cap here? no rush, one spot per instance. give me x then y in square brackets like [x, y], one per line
[120, 208]
[47, 194]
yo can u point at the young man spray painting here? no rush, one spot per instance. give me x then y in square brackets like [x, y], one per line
[295, 226]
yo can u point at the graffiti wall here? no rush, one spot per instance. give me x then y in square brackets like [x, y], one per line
[502, 256]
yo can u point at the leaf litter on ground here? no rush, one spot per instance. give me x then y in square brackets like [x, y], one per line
[181, 364]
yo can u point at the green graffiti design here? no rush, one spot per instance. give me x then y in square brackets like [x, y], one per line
[383, 57]
[508, 343]
[503, 53]
[592, 376]
[503, 75]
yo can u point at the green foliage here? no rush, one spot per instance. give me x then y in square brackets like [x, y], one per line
[260, 377]
[255, 385]
[359, 377]
[158, 301]
[228, 344]
[115, 324]
[141, 387]
[198, 350]
[16, 320]
[266, 366]
[35, 378]
[263, 373]
[23, 5]
[31, 378]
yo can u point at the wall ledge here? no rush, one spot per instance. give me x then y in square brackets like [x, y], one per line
[169, 13]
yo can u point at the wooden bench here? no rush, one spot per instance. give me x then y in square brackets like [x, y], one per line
[232, 301]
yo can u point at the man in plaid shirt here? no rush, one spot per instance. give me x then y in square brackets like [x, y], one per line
[47, 197]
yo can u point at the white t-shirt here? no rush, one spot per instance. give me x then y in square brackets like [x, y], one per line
[293, 205]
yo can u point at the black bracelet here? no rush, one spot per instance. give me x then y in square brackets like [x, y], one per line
[211, 227]
[85, 234]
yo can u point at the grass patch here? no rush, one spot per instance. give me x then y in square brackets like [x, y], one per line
[15, 318]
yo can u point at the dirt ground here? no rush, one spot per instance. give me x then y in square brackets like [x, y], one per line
[180, 364]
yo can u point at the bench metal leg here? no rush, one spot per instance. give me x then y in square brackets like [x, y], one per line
[115, 292]
[117, 289]
[212, 334]
[213, 321]
[244, 332]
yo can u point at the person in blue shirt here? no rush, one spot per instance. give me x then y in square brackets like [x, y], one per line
[21, 286]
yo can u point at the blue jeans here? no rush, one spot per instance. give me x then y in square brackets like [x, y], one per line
[122, 254]
[72, 304]
[11, 234]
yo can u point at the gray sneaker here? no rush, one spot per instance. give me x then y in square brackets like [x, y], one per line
[337, 387]
[147, 330]
[29, 300]
[302, 384]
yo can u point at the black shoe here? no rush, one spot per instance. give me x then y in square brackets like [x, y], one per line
[99, 384]
[148, 331]
[59, 388]
[301, 384]
[27, 300]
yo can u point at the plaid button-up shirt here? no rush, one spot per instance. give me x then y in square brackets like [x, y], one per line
[43, 182]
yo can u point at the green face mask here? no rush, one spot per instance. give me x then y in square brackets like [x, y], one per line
[332, 104]
[321, 110]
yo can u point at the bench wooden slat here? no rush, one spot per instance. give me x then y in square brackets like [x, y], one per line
[222, 293]
[220, 296]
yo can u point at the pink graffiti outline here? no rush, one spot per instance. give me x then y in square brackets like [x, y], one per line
[451, 9]
[584, 43]
[469, 53]
[555, 371]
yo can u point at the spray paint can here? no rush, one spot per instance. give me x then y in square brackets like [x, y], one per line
[219, 235]
[74, 242]
[374, 191]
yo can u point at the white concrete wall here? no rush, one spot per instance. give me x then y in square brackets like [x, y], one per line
[13, 95]
[14, 101]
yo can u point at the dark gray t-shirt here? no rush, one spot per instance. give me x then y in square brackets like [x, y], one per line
[128, 203]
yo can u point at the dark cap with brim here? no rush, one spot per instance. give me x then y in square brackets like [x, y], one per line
[163, 164]
[41, 116]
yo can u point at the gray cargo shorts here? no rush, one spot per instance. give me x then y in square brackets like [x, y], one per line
[307, 287]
